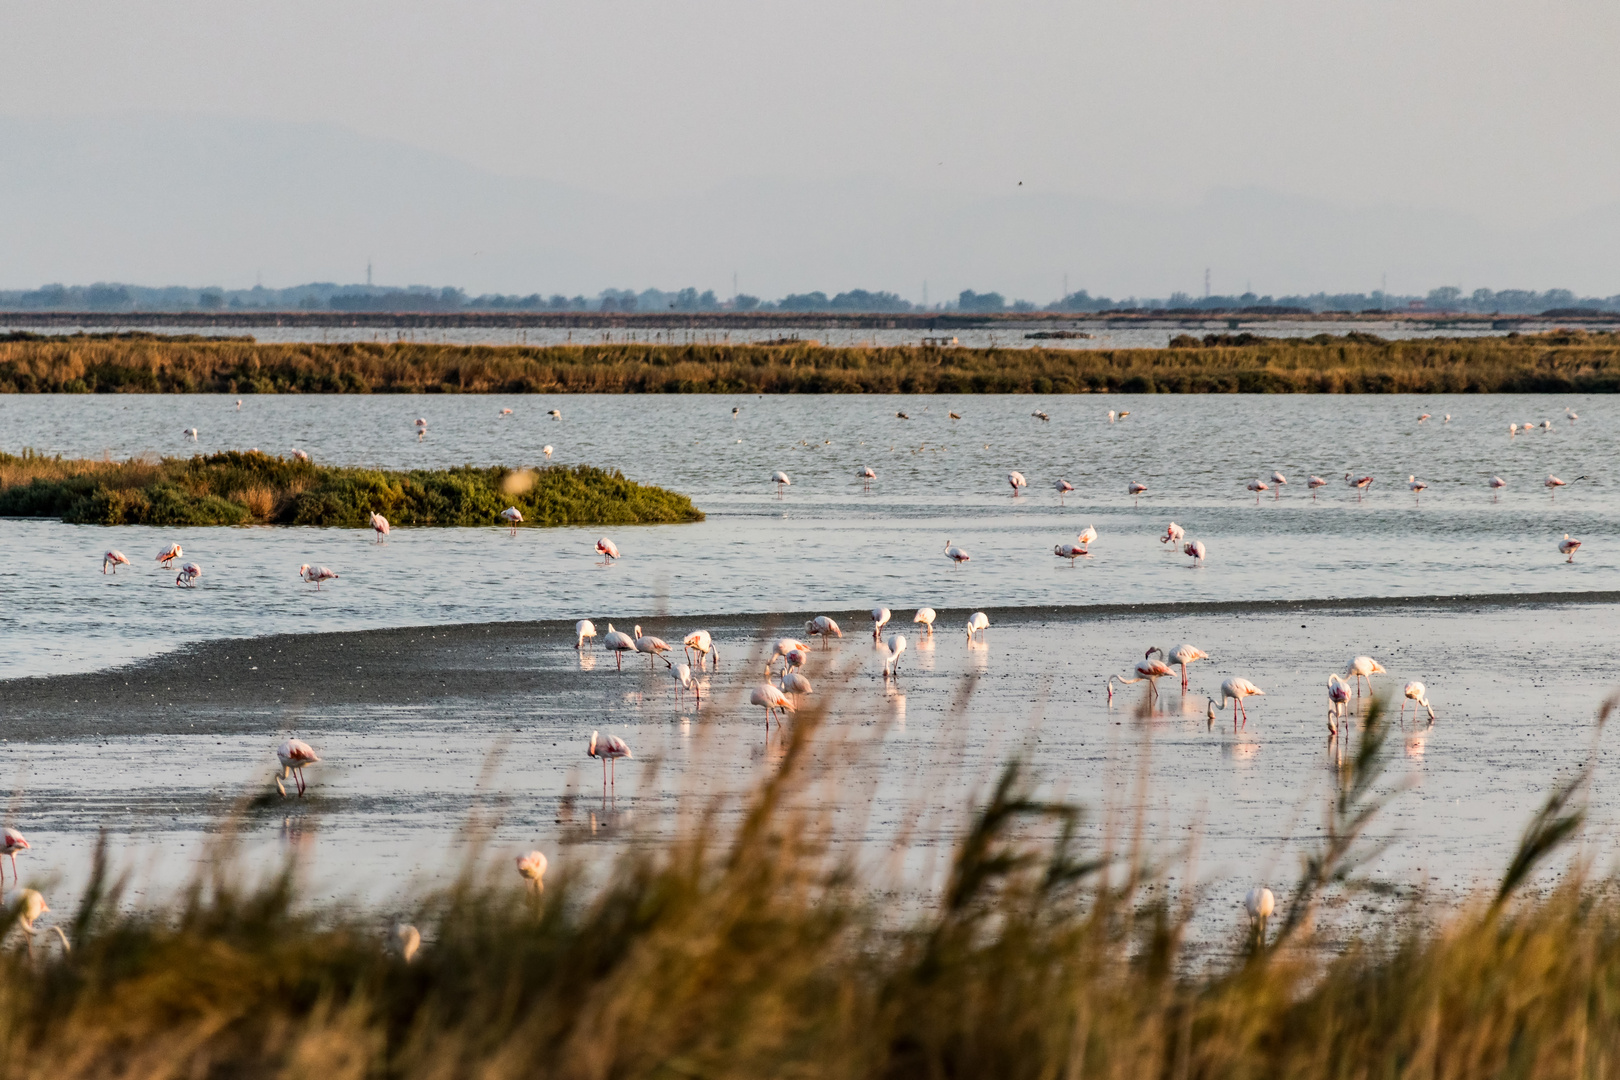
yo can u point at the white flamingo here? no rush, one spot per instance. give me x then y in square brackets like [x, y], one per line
[547, 450]
[1416, 692]
[1567, 546]
[782, 648]
[1338, 697]
[1136, 491]
[652, 646]
[582, 630]
[880, 619]
[531, 868]
[316, 575]
[957, 555]
[1260, 903]
[1173, 534]
[1070, 552]
[379, 525]
[1063, 487]
[796, 684]
[926, 616]
[780, 479]
[1110, 416]
[1195, 548]
[619, 642]
[610, 749]
[1235, 690]
[513, 517]
[700, 642]
[190, 433]
[1016, 480]
[1086, 537]
[977, 623]
[188, 575]
[113, 558]
[1257, 486]
[682, 674]
[294, 754]
[1146, 669]
[169, 554]
[891, 655]
[1552, 484]
[1181, 656]
[1361, 484]
[1315, 482]
[607, 549]
[300, 455]
[1513, 429]
[1417, 486]
[1497, 484]
[866, 474]
[555, 414]
[1362, 667]
[11, 842]
[823, 627]
[772, 700]
[1277, 480]
[1572, 415]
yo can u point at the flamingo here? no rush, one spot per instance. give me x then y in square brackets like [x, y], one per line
[294, 754]
[506, 412]
[532, 869]
[1277, 480]
[188, 575]
[880, 619]
[1235, 690]
[780, 479]
[169, 554]
[652, 646]
[316, 574]
[1572, 415]
[1195, 548]
[513, 517]
[1086, 537]
[866, 474]
[11, 842]
[1447, 419]
[609, 749]
[1422, 418]
[1315, 482]
[190, 433]
[1417, 487]
[1181, 655]
[1151, 670]
[113, 558]
[421, 421]
[1361, 484]
[1173, 534]
[1513, 429]
[1070, 552]
[1135, 491]
[926, 616]
[901, 416]
[547, 449]
[300, 455]
[957, 555]
[607, 549]
[1546, 425]
[1260, 903]
[682, 674]
[1497, 484]
[33, 906]
[555, 414]
[620, 642]
[1257, 486]
[1016, 480]
[1416, 692]
[891, 656]
[772, 700]
[1566, 546]
[783, 647]
[977, 623]
[379, 525]
[1363, 667]
[1063, 487]
[1039, 415]
[1338, 698]
[796, 684]
[793, 660]
[734, 411]
[823, 627]
[1552, 484]
[699, 641]
[238, 404]
[582, 630]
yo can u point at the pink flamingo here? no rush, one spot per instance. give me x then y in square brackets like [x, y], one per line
[1070, 552]
[1016, 480]
[1234, 690]
[188, 575]
[823, 627]
[513, 517]
[1181, 656]
[294, 754]
[1195, 548]
[619, 642]
[11, 842]
[700, 642]
[1257, 486]
[1136, 491]
[1173, 534]
[1567, 546]
[957, 555]
[1361, 484]
[379, 525]
[316, 574]
[113, 558]
[1151, 670]
[582, 630]
[1063, 487]
[610, 749]
[1497, 484]
[866, 474]
[772, 700]
[607, 549]
[169, 554]
[1315, 482]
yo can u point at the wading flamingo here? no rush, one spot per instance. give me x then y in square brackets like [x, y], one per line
[547, 449]
[891, 655]
[607, 549]
[1123, 413]
[1135, 491]
[1070, 552]
[957, 555]
[1195, 548]
[1338, 697]
[190, 433]
[1257, 486]
[782, 648]
[1173, 534]
[1362, 667]
[532, 869]
[555, 414]
[1361, 484]
[513, 517]
[1062, 487]
[1260, 903]
[315, 575]
[1513, 429]
[780, 479]
[880, 619]
[682, 674]
[796, 684]
[1571, 414]
[379, 525]
[1039, 415]
[1016, 480]
[188, 575]
[772, 700]
[1277, 482]
[1567, 546]
[1422, 418]
[1315, 482]
[1086, 537]
[926, 616]
[582, 630]
[300, 455]
[823, 627]
[1151, 670]
[978, 622]
[1234, 690]
[113, 558]
[11, 842]
[1417, 692]
[866, 474]
[699, 641]
[652, 646]
[1181, 656]
[620, 642]
[609, 749]
[169, 554]
[294, 754]
[1497, 484]
[1552, 484]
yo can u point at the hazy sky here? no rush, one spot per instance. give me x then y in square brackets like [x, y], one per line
[1498, 112]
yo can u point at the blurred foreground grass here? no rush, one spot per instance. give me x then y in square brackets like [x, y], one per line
[765, 954]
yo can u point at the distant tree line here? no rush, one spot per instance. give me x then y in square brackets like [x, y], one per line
[328, 296]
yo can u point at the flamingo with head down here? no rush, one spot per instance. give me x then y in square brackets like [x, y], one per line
[513, 516]
[582, 630]
[700, 642]
[1148, 669]
[1195, 548]
[113, 558]
[1338, 698]
[1070, 552]
[1181, 656]
[977, 623]
[1234, 690]
[607, 549]
[880, 619]
[1173, 534]
[1418, 693]
[772, 700]
[823, 627]
[926, 616]
[1016, 480]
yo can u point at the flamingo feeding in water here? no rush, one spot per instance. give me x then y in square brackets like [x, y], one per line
[169, 554]
[1497, 484]
[1338, 697]
[582, 630]
[652, 646]
[866, 474]
[682, 674]
[1151, 670]
[379, 525]
[1173, 534]
[823, 627]
[957, 555]
[11, 842]
[772, 700]
[780, 479]
[1195, 548]
[610, 749]
[555, 414]
[1257, 486]
[699, 641]
[1070, 552]
[190, 433]
[315, 575]
[784, 647]
[1567, 546]
[620, 642]
[1181, 656]
[1363, 667]
[547, 449]
[1234, 690]
[978, 622]
[891, 655]
[513, 517]
[796, 684]
[1062, 487]
[1135, 491]
[113, 558]
[880, 618]
[532, 869]
[607, 549]
[926, 616]
[294, 754]
[1416, 692]
[1016, 480]
[1315, 482]
[188, 575]
[1422, 418]
[1361, 484]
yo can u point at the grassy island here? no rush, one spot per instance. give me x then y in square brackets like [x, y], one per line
[1563, 361]
[254, 488]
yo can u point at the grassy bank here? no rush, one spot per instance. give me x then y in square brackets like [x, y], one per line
[763, 954]
[1560, 362]
[254, 488]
